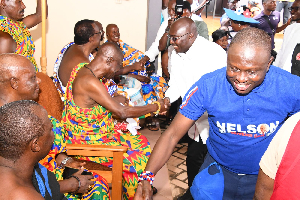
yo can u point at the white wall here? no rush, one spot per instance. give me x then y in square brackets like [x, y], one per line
[129, 15]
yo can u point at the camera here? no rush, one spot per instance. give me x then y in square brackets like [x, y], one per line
[179, 8]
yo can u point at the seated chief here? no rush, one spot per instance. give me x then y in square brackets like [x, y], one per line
[87, 116]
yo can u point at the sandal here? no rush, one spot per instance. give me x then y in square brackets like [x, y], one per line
[153, 125]
[154, 190]
[166, 124]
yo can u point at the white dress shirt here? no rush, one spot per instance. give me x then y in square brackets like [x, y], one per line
[290, 39]
[187, 68]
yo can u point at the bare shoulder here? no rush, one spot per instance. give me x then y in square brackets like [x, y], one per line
[73, 56]
[12, 188]
[85, 86]
[25, 193]
[87, 80]
[7, 43]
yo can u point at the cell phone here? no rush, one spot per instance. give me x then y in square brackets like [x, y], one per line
[70, 171]
[122, 80]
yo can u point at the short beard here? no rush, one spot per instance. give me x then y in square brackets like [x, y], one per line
[295, 20]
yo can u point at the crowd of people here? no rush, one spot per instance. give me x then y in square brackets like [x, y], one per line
[233, 97]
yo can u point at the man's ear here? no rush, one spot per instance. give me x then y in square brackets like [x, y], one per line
[91, 38]
[270, 62]
[191, 35]
[14, 82]
[34, 145]
[2, 4]
[109, 60]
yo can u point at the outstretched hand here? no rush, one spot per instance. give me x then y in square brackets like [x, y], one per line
[164, 105]
[144, 60]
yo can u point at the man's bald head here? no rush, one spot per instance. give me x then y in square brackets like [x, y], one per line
[110, 49]
[110, 26]
[186, 24]
[183, 33]
[11, 66]
[108, 60]
[18, 79]
[112, 33]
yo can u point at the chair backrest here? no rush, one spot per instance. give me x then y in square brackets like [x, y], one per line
[115, 176]
[49, 97]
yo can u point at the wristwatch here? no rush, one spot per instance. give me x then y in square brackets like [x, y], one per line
[64, 162]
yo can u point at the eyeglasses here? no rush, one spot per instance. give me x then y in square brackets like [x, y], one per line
[100, 32]
[175, 38]
[293, 8]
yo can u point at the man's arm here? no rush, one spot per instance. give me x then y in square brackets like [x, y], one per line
[202, 29]
[200, 11]
[153, 50]
[7, 43]
[163, 42]
[36, 18]
[281, 28]
[162, 152]
[264, 186]
[140, 78]
[96, 91]
[128, 68]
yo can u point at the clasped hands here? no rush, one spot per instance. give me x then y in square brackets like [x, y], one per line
[85, 180]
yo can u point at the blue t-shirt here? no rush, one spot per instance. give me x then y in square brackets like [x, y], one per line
[241, 127]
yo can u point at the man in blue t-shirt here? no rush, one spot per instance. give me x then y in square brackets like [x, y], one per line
[247, 102]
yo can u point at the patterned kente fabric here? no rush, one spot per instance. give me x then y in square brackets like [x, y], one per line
[109, 84]
[21, 35]
[100, 189]
[96, 126]
[157, 86]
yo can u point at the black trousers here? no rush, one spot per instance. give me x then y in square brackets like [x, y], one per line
[195, 158]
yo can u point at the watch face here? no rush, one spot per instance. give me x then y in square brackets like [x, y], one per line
[64, 162]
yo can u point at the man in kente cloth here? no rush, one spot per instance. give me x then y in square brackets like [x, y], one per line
[87, 116]
[14, 29]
